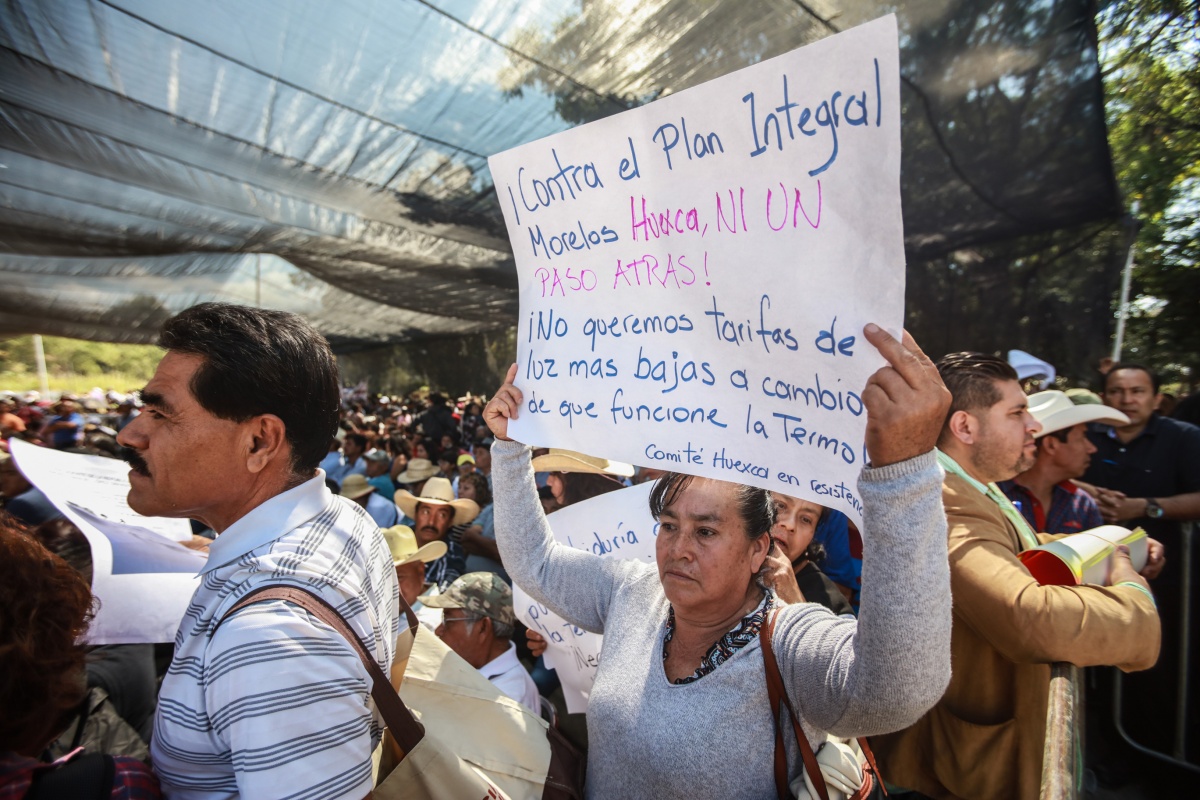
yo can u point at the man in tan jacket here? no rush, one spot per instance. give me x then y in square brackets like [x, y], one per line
[984, 738]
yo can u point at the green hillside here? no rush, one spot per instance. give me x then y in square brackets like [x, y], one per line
[75, 365]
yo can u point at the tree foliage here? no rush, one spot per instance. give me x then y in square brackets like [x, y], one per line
[1151, 57]
[1056, 295]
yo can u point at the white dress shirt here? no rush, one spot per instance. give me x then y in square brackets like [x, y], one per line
[508, 674]
[275, 703]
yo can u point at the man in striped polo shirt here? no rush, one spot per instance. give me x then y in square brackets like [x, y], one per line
[274, 703]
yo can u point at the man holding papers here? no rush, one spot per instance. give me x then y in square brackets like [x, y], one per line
[984, 739]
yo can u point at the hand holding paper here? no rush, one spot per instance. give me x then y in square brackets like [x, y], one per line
[504, 405]
[1101, 556]
[906, 401]
[1121, 569]
[1156, 559]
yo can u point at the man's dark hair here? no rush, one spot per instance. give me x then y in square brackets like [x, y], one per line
[359, 440]
[1061, 435]
[1155, 381]
[971, 379]
[755, 506]
[256, 362]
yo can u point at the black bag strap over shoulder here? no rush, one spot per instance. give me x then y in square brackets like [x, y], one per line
[90, 775]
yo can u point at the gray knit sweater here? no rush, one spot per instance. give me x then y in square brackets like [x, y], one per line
[714, 737]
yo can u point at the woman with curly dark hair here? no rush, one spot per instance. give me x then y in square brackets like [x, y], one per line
[45, 607]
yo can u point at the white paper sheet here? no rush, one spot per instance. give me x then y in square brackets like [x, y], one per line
[142, 577]
[695, 274]
[613, 525]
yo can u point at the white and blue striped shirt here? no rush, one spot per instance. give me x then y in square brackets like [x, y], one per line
[276, 704]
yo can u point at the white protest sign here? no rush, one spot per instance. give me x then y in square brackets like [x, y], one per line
[695, 274]
[142, 577]
[613, 525]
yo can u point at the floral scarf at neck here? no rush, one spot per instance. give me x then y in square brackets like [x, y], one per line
[743, 634]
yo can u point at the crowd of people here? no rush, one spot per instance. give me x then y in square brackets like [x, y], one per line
[923, 630]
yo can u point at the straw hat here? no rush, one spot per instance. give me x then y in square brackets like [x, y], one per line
[437, 492]
[1056, 412]
[419, 469]
[571, 461]
[355, 486]
[403, 543]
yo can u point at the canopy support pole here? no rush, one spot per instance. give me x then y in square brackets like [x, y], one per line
[39, 356]
[1126, 279]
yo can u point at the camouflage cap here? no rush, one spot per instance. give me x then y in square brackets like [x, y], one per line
[482, 593]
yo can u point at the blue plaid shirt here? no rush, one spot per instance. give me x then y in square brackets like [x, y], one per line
[1071, 509]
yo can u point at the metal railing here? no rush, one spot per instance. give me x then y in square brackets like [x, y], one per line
[1062, 758]
[1178, 754]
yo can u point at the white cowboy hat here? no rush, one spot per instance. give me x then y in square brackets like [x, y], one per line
[403, 543]
[437, 492]
[570, 461]
[1056, 412]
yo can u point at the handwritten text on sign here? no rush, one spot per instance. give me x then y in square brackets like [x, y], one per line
[696, 273]
[613, 525]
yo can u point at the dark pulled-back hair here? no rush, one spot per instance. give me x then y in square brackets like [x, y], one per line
[971, 379]
[61, 537]
[580, 486]
[258, 361]
[755, 506]
[45, 607]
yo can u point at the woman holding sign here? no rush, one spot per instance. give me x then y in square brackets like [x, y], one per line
[680, 703]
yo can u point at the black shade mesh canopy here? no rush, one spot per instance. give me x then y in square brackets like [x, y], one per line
[330, 158]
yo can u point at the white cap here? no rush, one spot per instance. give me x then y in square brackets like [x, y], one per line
[1028, 366]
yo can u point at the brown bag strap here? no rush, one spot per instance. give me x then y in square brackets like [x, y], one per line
[776, 694]
[404, 727]
[866, 748]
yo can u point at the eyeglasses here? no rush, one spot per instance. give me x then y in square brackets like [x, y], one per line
[469, 618]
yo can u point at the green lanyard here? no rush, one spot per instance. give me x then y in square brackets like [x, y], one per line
[992, 491]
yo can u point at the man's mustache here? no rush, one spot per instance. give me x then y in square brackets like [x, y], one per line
[134, 459]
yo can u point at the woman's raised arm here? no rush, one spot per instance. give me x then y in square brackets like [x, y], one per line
[574, 584]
